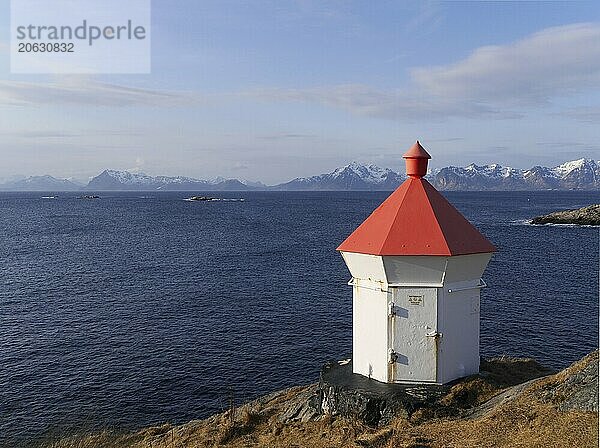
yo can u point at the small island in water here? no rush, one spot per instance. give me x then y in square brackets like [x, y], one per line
[202, 198]
[589, 216]
[89, 196]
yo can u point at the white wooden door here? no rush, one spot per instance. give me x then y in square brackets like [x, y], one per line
[414, 337]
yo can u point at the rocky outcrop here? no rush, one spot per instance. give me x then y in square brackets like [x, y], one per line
[305, 407]
[343, 393]
[350, 395]
[575, 389]
[584, 216]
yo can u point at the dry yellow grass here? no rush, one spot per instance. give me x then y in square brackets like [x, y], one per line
[524, 421]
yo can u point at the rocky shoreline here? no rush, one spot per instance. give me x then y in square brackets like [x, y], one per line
[511, 402]
[589, 216]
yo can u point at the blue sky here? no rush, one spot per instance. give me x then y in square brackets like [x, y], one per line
[270, 90]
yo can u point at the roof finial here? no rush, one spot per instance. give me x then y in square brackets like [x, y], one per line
[416, 161]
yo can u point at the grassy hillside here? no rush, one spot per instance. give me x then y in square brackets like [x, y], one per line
[504, 408]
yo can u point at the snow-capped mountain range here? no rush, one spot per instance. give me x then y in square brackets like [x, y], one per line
[350, 177]
[582, 174]
[110, 180]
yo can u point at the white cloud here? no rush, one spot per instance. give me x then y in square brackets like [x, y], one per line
[494, 81]
[556, 61]
[84, 91]
[388, 104]
[139, 165]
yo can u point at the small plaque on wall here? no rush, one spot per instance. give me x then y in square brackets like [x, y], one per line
[415, 300]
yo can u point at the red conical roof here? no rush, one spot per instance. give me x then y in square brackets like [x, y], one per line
[416, 220]
[416, 151]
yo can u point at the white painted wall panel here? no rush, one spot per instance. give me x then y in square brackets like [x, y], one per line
[466, 268]
[458, 321]
[370, 333]
[364, 266]
[413, 271]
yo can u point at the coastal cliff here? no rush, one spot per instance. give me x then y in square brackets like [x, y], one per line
[512, 402]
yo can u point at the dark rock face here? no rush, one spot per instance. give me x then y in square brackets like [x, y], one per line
[351, 395]
[304, 408]
[541, 178]
[341, 392]
[581, 390]
[583, 216]
[577, 391]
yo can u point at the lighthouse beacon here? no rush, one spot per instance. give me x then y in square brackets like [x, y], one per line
[416, 266]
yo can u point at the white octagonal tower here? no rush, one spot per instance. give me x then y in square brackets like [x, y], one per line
[416, 266]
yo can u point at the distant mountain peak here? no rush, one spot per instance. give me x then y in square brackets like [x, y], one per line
[40, 183]
[125, 180]
[368, 173]
[354, 176]
[578, 164]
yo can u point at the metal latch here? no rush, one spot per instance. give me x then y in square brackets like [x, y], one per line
[392, 356]
[434, 334]
[391, 309]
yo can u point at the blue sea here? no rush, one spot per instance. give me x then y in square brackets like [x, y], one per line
[140, 308]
